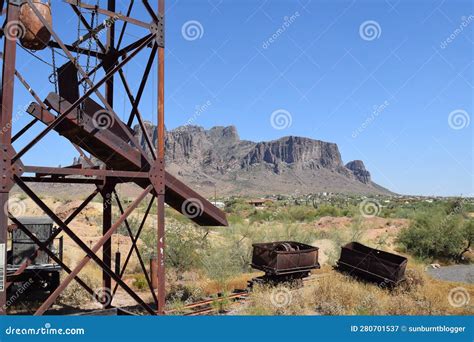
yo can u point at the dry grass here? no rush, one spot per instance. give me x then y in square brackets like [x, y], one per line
[75, 295]
[338, 294]
[237, 282]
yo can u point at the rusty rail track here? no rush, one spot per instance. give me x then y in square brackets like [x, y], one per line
[205, 306]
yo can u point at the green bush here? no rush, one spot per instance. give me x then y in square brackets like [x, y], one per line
[435, 235]
[139, 282]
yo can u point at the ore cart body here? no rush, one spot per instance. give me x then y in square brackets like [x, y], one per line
[372, 264]
[42, 275]
[284, 258]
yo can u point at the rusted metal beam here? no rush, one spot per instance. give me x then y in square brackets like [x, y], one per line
[109, 61]
[134, 241]
[130, 47]
[150, 11]
[106, 193]
[141, 87]
[77, 49]
[43, 170]
[86, 24]
[6, 110]
[46, 305]
[24, 129]
[124, 27]
[160, 172]
[135, 103]
[111, 14]
[62, 180]
[137, 252]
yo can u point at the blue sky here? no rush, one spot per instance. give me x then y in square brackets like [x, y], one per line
[391, 82]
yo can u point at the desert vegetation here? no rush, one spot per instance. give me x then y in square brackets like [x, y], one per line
[204, 261]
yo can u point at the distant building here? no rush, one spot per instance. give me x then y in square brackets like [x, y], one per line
[259, 202]
[220, 205]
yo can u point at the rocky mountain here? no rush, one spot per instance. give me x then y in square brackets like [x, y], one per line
[218, 160]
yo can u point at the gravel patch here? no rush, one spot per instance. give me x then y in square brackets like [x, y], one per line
[458, 273]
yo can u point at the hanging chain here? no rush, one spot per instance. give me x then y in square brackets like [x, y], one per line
[53, 78]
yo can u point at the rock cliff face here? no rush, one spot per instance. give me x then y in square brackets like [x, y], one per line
[218, 159]
[358, 169]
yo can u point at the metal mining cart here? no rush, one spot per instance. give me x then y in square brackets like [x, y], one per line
[41, 275]
[284, 260]
[372, 264]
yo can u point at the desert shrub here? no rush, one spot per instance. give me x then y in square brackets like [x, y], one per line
[434, 235]
[184, 245]
[329, 210]
[75, 295]
[235, 219]
[183, 293]
[468, 233]
[414, 279]
[237, 205]
[219, 264]
[301, 213]
[139, 281]
[220, 303]
[262, 215]
[133, 223]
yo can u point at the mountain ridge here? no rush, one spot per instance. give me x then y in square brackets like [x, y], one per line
[217, 159]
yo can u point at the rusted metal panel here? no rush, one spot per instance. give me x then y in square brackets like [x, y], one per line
[23, 246]
[284, 257]
[68, 84]
[372, 264]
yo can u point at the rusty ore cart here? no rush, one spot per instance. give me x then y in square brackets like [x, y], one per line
[372, 264]
[283, 261]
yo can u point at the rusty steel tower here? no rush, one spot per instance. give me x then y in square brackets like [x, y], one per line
[70, 111]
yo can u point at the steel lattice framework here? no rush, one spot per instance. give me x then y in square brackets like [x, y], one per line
[125, 160]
